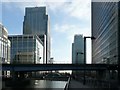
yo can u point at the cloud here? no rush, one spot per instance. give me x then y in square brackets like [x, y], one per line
[71, 30]
[34, 0]
[76, 8]
[62, 28]
[21, 0]
[54, 5]
[79, 9]
[21, 4]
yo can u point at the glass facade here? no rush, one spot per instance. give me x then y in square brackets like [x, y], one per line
[78, 49]
[26, 49]
[105, 30]
[36, 22]
[4, 45]
[77, 53]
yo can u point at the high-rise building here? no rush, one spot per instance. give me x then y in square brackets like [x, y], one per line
[26, 49]
[78, 50]
[36, 22]
[5, 46]
[106, 30]
[77, 53]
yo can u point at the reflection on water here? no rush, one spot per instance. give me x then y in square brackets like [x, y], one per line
[49, 84]
[35, 84]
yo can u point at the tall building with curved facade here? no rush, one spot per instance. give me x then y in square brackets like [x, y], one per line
[106, 30]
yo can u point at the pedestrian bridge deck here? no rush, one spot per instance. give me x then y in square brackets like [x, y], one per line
[49, 67]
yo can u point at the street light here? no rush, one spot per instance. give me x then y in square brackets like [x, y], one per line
[92, 38]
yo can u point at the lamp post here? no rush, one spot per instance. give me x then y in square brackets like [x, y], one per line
[85, 54]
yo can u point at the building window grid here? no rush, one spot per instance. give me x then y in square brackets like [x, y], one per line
[100, 16]
[106, 30]
[3, 50]
[106, 50]
[105, 38]
[104, 44]
[103, 18]
[104, 21]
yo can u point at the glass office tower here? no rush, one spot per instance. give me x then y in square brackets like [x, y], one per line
[26, 49]
[106, 30]
[77, 53]
[78, 50]
[36, 22]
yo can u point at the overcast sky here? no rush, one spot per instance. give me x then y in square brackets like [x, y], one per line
[67, 18]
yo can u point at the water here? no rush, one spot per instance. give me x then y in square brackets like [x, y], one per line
[37, 84]
[49, 84]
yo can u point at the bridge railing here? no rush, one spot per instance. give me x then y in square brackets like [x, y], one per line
[67, 84]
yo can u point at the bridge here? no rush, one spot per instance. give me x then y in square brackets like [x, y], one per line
[49, 67]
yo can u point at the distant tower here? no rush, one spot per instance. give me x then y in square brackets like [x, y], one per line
[36, 22]
[78, 49]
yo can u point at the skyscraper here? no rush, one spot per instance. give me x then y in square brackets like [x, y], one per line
[106, 30]
[77, 53]
[36, 22]
[78, 50]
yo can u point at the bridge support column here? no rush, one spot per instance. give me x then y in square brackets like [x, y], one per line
[22, 74]
[14, 75]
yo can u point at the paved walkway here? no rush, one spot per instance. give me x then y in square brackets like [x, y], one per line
[76, 84]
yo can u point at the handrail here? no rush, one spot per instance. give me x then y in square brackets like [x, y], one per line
[67, 84]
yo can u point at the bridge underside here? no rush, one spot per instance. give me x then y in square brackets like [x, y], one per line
[49, 67]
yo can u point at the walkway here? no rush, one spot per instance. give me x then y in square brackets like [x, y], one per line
[76, 84]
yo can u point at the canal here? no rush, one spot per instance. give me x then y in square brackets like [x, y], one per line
[49, 84]
[34, 84]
